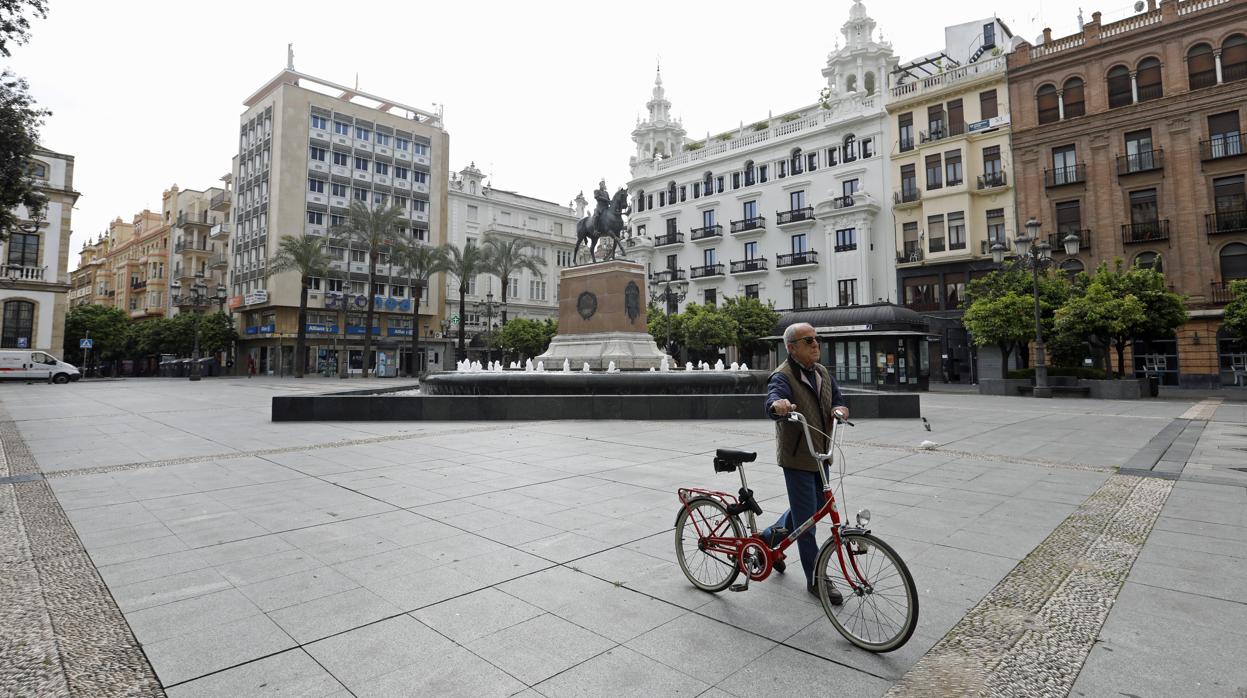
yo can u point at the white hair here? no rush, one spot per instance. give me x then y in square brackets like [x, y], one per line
[790, 332]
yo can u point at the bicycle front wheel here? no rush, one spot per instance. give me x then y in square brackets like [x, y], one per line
[880, 609]
[708, 570]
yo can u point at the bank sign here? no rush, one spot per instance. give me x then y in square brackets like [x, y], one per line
[262, 329]
[350, 301]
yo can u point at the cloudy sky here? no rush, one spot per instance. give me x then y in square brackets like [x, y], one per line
[541, 95]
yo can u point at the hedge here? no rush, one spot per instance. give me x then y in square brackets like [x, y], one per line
[1073, 371]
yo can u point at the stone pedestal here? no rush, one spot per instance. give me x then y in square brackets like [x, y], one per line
[602, 319]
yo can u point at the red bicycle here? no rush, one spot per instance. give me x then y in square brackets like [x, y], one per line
[880, 607]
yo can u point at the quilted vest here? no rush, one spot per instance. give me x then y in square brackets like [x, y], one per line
[791, 451]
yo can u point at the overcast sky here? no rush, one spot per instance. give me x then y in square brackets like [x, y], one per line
[543, 96]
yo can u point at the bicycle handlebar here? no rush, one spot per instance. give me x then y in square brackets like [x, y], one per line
[809, 442]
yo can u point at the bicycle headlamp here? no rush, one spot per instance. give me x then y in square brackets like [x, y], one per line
[863, 517]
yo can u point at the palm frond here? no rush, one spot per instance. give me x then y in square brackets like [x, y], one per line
[302, 254]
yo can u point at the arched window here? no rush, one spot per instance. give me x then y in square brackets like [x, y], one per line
[671, 192]
[1201, 66]
[1234, 58]
[1072, 268]
[870, 83]
[1047, 104]
[1119, 92]
[1233, 261]
[794, 161]
[750, 174]
[1148, 79]
[640, 201]
[707, 183]
[1149, 260]
[849, 148]
[1072, 95]
[850, 83]
[19, 325]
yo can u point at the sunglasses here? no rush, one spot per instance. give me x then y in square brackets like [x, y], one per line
[811, 341]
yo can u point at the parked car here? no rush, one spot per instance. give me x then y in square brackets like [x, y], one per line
[31, 365]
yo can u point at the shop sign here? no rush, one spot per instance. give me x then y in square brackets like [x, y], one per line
[253, 330]
[985, 124]
[398, 331]
[256, 297]
[841, 329]
[316, 327]
[359, 329]
[235, 302]
[268, 329]
[335, 299]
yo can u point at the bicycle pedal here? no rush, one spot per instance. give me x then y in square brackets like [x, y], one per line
[739, 587]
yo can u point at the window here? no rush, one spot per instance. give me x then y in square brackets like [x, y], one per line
[751, 251]
[833, 156]
[1064, 165]
[361, 164]
[683, 194]
[935, 122]
[996, 226]
[19, 324]
[672, 226]
[341, 159]
[383, 139]
[537, 289]
[1229, 204]
[1233, 259]
[1225, 138]
[662, 199]
[1120, 92]
[952, 167]
[1072, 95]
[719, 181]
[868, 147]
[1148, 80]
[1139, 153]
[953, 292]
[381, 168]
[750, 210]
[420, 177]
[360, 194]
[362, 133]
[795, 162]
[420, 149]
[671, 262]
[991, 162]
[762, 174]
[401, 202]
[341, 128]
[337, 221]
[402, 144]
[736, 180]
[696, 191]
[316, 186]
[320, 122]
[796, 200]
[336, 189]
[707, 218]
[1143, 213]
[846, 292]
[800, 294]
[935, 233]
[987, 105]
[751, 290]
[1234, 58]
[23, 249]
[905, 127]
[909, 183]
[849, 187]
[934, 167]
[708, 257]
[811, 161]
[1048, 104]
[649, 201]
[1201, 66]
[317, 154]
[1149, 260]
[800, 244]
[315, 218]
[922, 293]
[379, 199]
[957, 230]
[1072, 268]
[956, 118]
[709, 296]
[849, 148]
[781, 169]
[846, 239]
[513, 287]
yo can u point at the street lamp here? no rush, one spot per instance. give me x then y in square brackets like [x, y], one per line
[1036, 254]
[673, 292]
[489, 309]
[197, 300]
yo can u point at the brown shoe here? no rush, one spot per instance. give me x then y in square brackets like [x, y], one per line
[833, 594]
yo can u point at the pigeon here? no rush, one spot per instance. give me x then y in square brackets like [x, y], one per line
[925, 424]
[928, 444]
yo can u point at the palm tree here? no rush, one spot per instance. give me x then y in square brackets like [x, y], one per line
[465, 264]
[307, 256]
[373, 229]
[507, 256]
[417, 262]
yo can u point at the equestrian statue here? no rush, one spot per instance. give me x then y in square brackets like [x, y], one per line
[606, 220]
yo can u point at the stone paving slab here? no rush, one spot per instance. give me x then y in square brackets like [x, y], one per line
[461, 559]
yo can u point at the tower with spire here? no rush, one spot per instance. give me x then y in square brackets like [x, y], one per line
[658, 136]
[862, 65]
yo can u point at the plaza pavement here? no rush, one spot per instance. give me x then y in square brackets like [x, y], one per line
[238, 557]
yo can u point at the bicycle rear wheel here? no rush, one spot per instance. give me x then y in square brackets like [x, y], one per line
[880, 609]
[708, 570]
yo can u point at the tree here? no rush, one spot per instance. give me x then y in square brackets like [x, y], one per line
[706, 329]
[14, 27]
[753, 322]
[1002, 320]
[217, 332]
[108, 327]
[1235, 323]
[1054, 290]
[1163, 310]
[20, 120]
[524, 338]
[667, 330]
[507, 256]
[465, 264]
[373, 229]
[306, 256]
[417, 263]
[1100, 314]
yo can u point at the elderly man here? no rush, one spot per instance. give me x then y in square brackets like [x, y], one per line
[801, 384]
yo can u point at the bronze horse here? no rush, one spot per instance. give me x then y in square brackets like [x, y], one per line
[608, 221]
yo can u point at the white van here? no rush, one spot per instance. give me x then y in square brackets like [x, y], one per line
[35, 365]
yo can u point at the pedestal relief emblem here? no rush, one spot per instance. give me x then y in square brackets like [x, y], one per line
[587, 305]
[632, 302]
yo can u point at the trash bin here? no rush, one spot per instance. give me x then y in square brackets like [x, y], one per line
[1153, 385]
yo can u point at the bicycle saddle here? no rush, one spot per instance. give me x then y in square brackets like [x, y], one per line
[734, 456]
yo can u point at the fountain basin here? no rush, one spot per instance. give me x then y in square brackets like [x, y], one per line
[597, 383]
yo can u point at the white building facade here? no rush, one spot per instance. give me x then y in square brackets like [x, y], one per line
[791, 209]
[34, 279]
[477, 210]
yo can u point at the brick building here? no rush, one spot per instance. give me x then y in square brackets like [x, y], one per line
[1128, 135]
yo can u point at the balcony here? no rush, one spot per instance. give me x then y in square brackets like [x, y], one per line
[912, 252]
[17, 272]
[1221, 293]
[705, 271]
[757, 223]
[1057, 240]
[706, 233]
[1226, 222]
[666, 275]
[1147, 231]
[992, 180]
[218, 261]
[221, 201]
[985, 246]
[138, 285]
[906, 197]
[191, 247]
[1145, 161]
[1226, 145]
[188, 220]
[796, 259]
[843, 202]
[221, 231]
[749, 266]
[796, 215]
[1061, 176]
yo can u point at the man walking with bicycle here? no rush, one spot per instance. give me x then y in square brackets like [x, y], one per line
[802, 384]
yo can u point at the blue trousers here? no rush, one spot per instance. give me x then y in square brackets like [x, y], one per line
[805, 496]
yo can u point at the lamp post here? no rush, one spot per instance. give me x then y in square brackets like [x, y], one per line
[197, 301]
[489, 309]
[673, 292]
[1036, 254]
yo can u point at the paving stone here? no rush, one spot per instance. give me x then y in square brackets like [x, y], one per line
[367, 653]
[537, 649]
[475, 615]
[218, 647]
[621, 672]
[290, 673]
[700, 647]
[329, 615]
